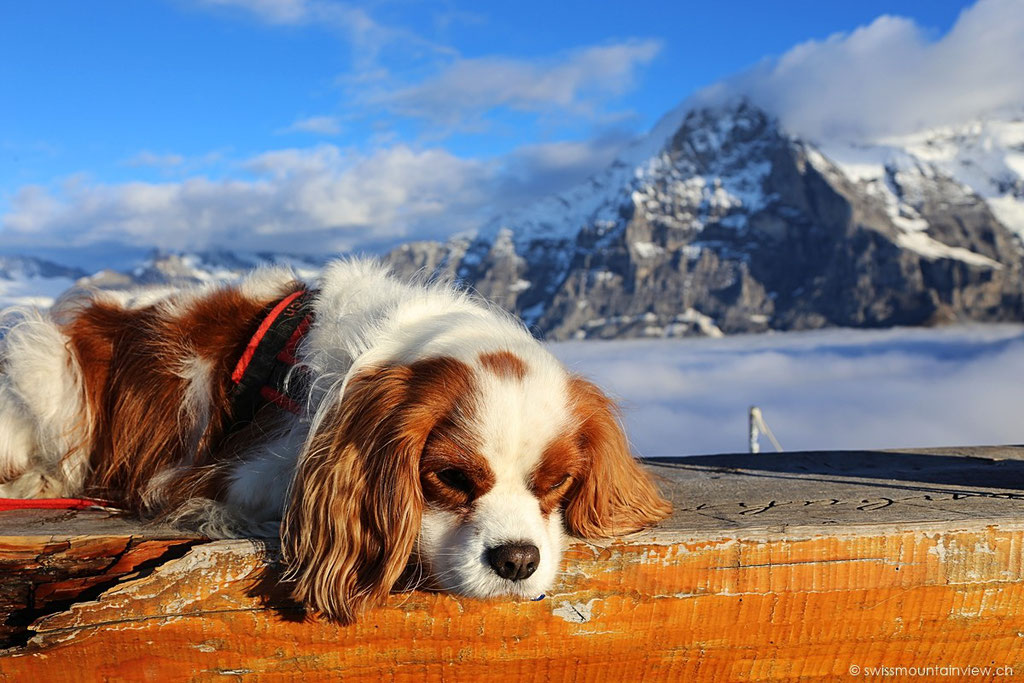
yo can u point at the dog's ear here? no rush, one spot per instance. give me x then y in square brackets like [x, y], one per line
[613, 495]
[355, 505]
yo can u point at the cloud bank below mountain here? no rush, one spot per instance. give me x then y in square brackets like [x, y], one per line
[836, 389]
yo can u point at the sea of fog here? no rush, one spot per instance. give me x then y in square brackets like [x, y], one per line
[833, 389]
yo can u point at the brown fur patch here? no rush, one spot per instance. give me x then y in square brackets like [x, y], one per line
[451, 447]
[612, 495]
[504, 364]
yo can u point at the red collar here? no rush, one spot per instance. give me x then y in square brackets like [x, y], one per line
[264, 372]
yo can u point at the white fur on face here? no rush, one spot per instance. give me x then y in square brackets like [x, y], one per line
[454, 549]
[516, 420]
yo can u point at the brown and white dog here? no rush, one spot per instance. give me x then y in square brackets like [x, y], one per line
[411, 427]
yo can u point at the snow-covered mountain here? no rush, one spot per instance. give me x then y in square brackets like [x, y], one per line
[985, 155]
[183, 269]
[735, 225]
[29, 281]
[720, 221]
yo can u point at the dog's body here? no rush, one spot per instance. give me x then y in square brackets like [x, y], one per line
[430, 431]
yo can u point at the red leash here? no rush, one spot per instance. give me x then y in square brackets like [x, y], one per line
[7, 504]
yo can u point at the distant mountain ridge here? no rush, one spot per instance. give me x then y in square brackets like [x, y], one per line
[721, 222]
[27, 280]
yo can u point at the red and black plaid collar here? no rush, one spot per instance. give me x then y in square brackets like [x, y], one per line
[264, 374]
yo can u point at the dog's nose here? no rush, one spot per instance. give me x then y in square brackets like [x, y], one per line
[514, 561]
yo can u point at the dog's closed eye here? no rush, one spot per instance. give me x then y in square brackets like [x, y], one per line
[456, 479]
[560, 483]
[454, 487]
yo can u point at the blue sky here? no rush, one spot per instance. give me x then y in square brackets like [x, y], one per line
[172, 110]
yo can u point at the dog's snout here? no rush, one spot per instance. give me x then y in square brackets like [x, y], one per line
[514, 561]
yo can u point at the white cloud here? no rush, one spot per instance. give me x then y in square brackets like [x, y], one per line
[458, 90]
[366, 37]
[302, 200]
[889, 77]
[837, 389]
[321, 125]
[534, 171]
[578, 82]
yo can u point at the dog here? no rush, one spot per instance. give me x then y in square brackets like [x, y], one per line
[385, 429]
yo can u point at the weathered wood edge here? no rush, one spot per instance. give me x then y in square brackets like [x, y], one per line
[767, 508]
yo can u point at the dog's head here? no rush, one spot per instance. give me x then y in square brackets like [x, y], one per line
[464, 471]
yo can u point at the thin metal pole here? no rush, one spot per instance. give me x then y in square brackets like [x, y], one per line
[754, 432]
[758, 425]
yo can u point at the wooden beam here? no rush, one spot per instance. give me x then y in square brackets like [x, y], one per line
[773, 567]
